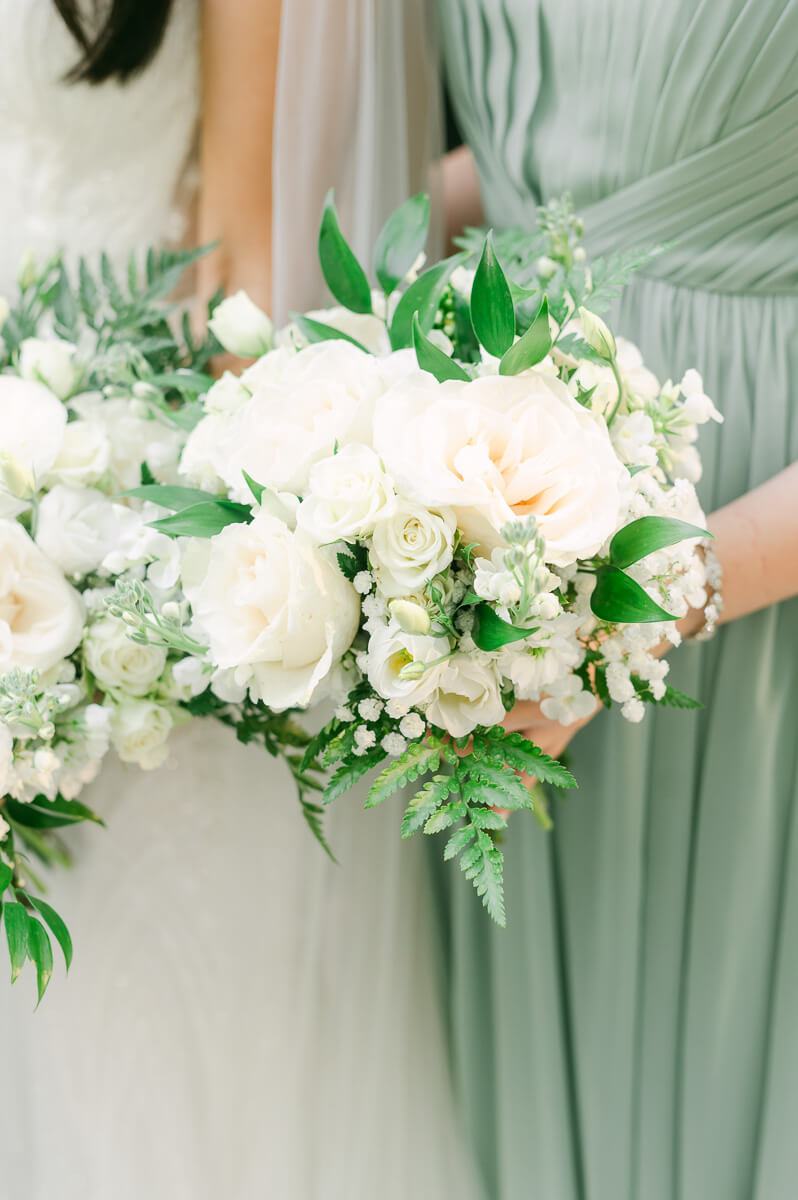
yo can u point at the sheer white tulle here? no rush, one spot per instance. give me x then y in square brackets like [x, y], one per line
[243, 1019]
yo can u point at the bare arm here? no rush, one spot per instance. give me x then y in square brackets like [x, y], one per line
[461, 193]
[240, 41]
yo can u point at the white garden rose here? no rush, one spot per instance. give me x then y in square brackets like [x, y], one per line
[503, 447]
[41, 616]
[241, 326]
[76, 528]
[32, 424]
[52, 362]
[119, 663]
[272, 607]
[467, 695]
[139, 732]
[410, 546]
[323, 399]
[347, 494]
[85, 455]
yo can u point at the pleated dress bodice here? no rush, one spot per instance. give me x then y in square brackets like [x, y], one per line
[638, 1014]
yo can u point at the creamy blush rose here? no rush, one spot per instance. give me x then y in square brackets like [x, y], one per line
[503, 447]
[273, 607]
[41, 616]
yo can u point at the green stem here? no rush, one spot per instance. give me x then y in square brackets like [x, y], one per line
[621, 392]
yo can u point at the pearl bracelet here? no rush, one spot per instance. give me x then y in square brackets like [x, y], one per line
[714, 605]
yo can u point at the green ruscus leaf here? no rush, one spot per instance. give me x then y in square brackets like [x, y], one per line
[40, 952]
[531, 347]
[492, 309]
[648, 534]
[56, 924]
[401, 240]
[492, 631]
[204, 520]
[178, 499]
[319, 331]
[620, 599]
[15, 919]
[343, 274]
[431, 359]
[422, 297]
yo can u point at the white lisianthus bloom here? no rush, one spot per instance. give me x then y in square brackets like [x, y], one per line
[390, 651]
[84, 457]
[41, 616]
[324, 397]
[347, 495]
[117, 662]
[273, 607]
[467, 695]
[32, 424]
[503, 447]
[411, 546]
[567, 701]
[50, 361]
[241, 326]
[76, 528]
[139, 732]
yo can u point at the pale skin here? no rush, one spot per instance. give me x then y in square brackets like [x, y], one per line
[756, 536]
[240, 41]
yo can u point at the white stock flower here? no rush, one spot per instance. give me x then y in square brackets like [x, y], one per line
[697, 407]
[323, 399]
[242, 327]
[503, 447]
[567, 701]
[119, 663]
[85, 455]
[467, 695]
[41, 616]
[50, 361]
[76, 528]
[139, 732]
[32, 424]
[347, 494]
[273, 607]
[633, 436]
[411, 546]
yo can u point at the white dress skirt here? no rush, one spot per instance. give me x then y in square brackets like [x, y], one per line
[243, 1019]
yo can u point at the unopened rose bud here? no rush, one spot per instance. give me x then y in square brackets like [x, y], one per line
[597, 334]
[410, 617]
[242, 327]
[26, 276]
[52, 362]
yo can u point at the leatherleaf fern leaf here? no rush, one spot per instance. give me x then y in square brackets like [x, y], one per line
[420, 758]
[514, 750]
[426, 802]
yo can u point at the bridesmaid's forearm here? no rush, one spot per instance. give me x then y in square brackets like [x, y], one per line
[756, 541]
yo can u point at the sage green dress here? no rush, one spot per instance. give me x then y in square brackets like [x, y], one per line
[633, 1035]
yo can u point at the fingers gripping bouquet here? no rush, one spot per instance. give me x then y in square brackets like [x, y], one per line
[427, 503]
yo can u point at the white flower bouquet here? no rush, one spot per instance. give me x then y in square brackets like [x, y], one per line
[428, 503]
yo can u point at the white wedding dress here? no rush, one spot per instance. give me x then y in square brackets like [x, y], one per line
[243, 1019]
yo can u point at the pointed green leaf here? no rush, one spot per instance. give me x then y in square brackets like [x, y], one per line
[43, 814]
[648, 534]
[492, 631]
[256, 488]
[492, 310]
[343, 274]
[319, 331]
[422, 297]
[6, 875]
[401, 240]
[15, 919]
[56, 923]
[621, 600]
[431, 359]
[531, 347]
[203, 520]
[40, 952]
[175, 498]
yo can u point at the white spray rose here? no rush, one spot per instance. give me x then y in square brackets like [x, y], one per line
[467, 696]
[241, 326]
[85, 454]
[76, 528]
[347, 495]
[32, 424]
[411, 546]
[41, 616]
[119, 663]
[324, 397]
[52, 362]
[503, 447]
[273, 607]
[139, 732]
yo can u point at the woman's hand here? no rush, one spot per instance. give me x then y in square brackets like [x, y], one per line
[525, 717]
